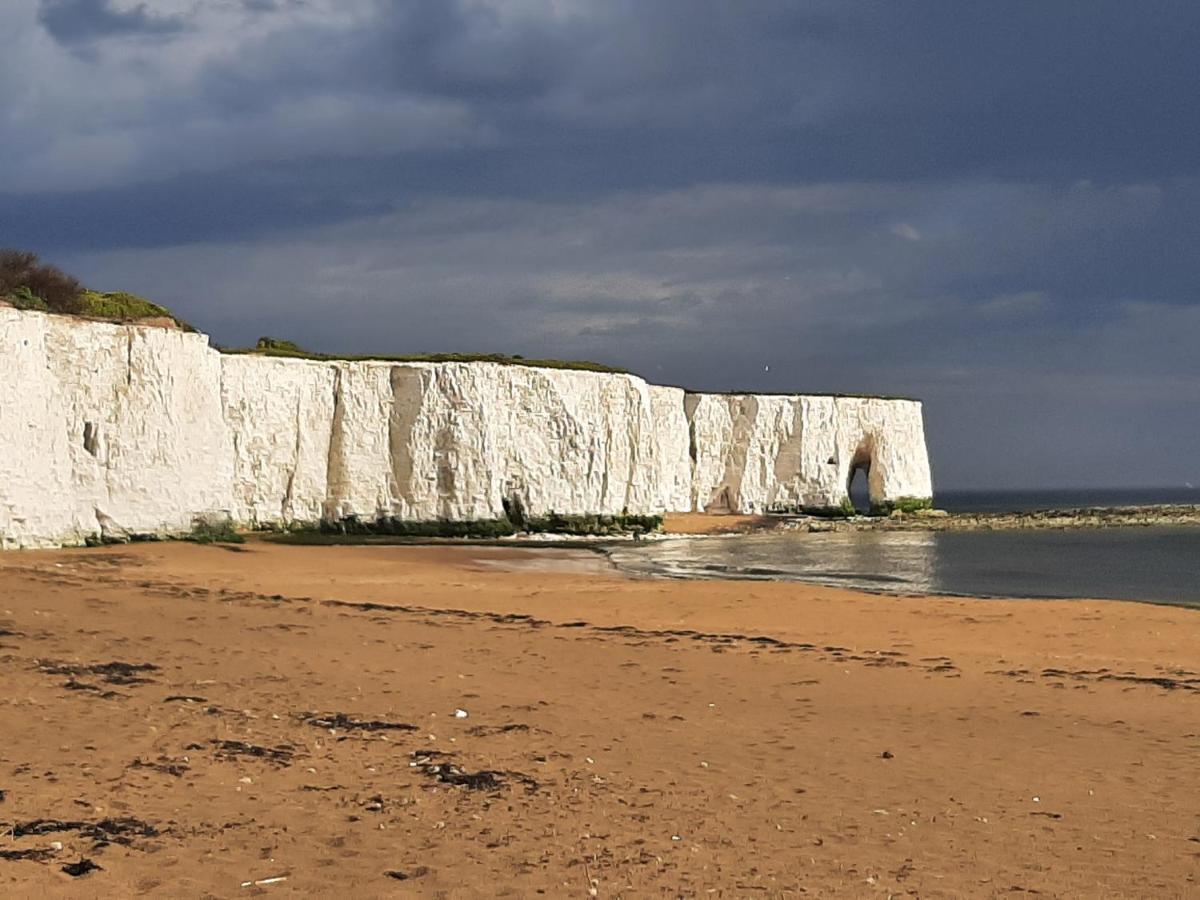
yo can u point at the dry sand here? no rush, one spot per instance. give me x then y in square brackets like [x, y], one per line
[651, 738]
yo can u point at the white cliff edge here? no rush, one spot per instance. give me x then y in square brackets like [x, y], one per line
[112, 429]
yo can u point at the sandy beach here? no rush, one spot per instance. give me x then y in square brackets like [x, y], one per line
[267, 720]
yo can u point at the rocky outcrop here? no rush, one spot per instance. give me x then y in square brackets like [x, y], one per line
[1164, 516]
[121, 429]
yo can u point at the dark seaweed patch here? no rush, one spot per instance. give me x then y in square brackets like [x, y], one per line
[74, 685]
[163, 764]
[404, 876]
[110, 672]
[1169, 684]
[485, 730]
[451, 773]
[347, 723]
[41, 854]
[107, 831]
[81, 868]
[280, 756]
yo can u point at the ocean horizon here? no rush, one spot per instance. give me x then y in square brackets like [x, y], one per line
[977, 500]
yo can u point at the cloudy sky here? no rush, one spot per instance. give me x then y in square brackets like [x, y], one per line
[993, 205]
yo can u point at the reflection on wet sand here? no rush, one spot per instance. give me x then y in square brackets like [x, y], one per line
[900, 561]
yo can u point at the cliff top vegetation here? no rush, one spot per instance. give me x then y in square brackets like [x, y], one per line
[28, 283]
[268, 346]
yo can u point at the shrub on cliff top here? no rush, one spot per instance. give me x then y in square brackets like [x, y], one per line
[279, 345]
[28, 283]
[24, 298]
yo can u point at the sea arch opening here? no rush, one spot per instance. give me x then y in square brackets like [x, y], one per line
[859, 486]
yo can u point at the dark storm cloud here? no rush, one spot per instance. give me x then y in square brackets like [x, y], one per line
[268, 6]
[81, 21]
[993, 206]
[229, 206]
[1027, 88]
[873, 88]
[656, 95]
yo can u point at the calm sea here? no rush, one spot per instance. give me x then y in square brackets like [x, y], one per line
[1160, 565]
[1070, 498]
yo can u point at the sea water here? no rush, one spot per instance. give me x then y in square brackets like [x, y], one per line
[977, 501]
[1154, 564]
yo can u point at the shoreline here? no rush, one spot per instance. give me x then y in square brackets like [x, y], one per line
[900, 592]
[713, 572]
[693, 527]
[257, 565]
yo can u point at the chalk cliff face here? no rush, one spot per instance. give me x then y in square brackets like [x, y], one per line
[457, 440]
[279, 421]
[759, 452]
[104, 425]
[124, 428]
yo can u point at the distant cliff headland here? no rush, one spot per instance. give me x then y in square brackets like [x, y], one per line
[121, 420]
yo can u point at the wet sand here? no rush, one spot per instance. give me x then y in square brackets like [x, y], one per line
[287, 716]
[704, 523]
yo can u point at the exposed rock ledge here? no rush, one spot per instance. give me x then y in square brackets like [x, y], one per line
[129, 429]
[938, 520]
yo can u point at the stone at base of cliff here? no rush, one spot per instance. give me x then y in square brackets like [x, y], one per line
[110, 531]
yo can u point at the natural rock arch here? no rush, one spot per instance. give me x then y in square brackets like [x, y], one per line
[864, 461]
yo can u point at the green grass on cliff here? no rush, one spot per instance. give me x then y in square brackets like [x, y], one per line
[116, 306]
[119, 306]
[278, 347]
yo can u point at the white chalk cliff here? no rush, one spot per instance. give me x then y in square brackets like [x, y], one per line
[108, 428]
